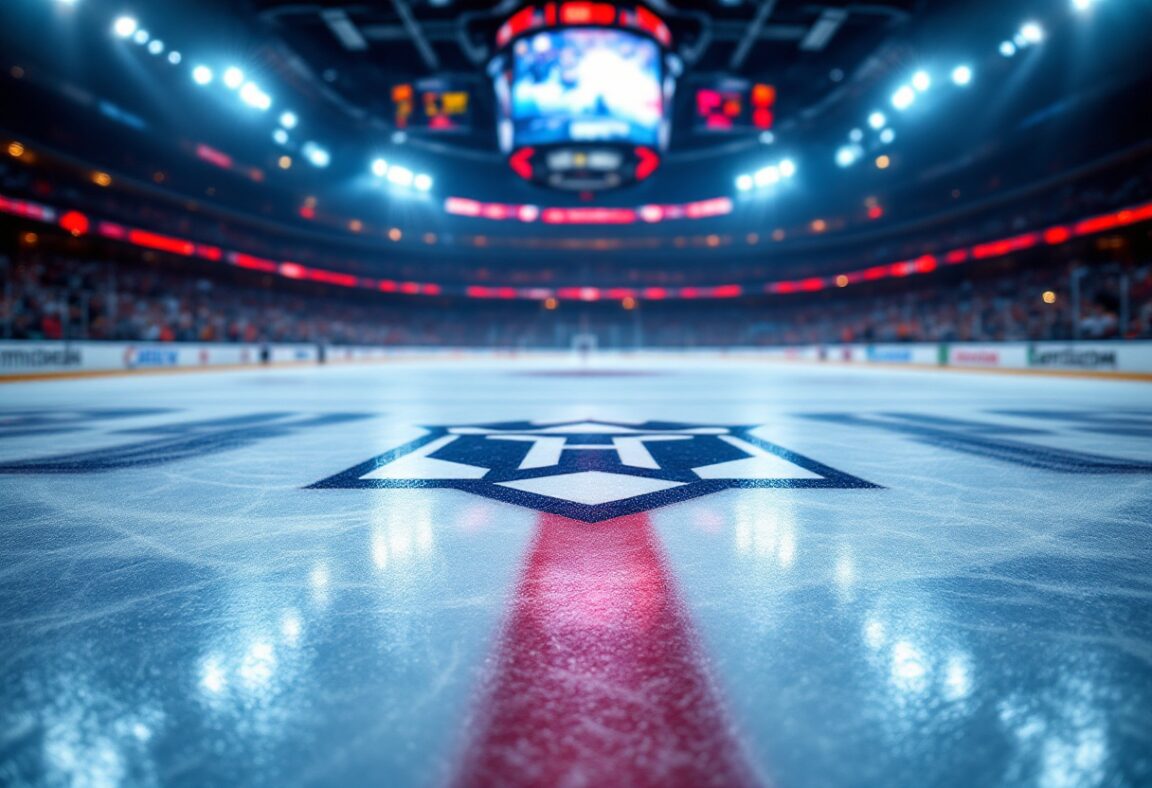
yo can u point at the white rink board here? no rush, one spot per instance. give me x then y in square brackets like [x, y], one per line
[40, 357]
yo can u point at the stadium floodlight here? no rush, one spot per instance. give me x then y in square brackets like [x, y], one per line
[846, 156]
[922, 80]
[877, 120]
[401, 176]
[767, 176]
[903, 98]
[380, 168]
[856, 135]
[175, 57]
[1007, 48]
[1083, 5]
[253, 96]
[140, 37]
[744, 183]
[1032, 32]
[156, 46]
[233, 78]
[422, 182]
[202, 75]
[787, 168]
[125, 27]
[887, 136]
[289, 120]
[962, 75]
[316, 155]
[280, 137]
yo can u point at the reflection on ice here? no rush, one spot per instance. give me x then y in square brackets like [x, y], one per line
[765, 534]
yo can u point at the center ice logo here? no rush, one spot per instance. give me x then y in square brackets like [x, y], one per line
[590, 470]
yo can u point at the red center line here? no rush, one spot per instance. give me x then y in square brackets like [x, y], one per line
[598, 680]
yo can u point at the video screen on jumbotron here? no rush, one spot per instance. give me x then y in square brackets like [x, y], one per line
[586, 85]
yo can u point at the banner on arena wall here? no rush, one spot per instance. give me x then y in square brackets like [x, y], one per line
[921, 354]
[1102, 356]
[988, 356]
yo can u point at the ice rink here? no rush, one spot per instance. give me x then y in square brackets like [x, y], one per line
[659, 571]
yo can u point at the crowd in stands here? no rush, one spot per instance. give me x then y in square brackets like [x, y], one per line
[48, 296]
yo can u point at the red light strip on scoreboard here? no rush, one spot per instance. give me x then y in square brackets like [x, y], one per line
[144, 239]
[582, 14]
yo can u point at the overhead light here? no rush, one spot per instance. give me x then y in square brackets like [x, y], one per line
[856, 135]
[767, 175]
[962, 75]
[422, 182]
[202, 75]
[1032, 32]
[877, 120]
[744, 183]
[253, 96]
[1083, 5]
[903, 98]
[233, 78]
[887, 136]
[289, 120]
[767, 138]
[847, 155]
[316, 155]
[1007, 48]
[175, 57]
[921, 80]
[156, 47]
[401, 176]
[787, 168]
[140, 36]
[280, 137]
[125, 26]
[380, 168]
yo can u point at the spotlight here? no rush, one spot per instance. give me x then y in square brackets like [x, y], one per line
[401, 176]
[767, 138]
[253, 96]
[140, 36]
[856, 135]
[846, 156]
[962, 75]
[903, 98]
[921, 80]
[316, 155]
[156, 47]
[877, 120]
[1007, 48]
[1083, 5]
[380, 168]
[787, 168]
[1032, 32]
[289, 120]
[422, 182]
[233, 78]
[125, 27]
[887, 136]
[767, 176]
[202, 75]
[744, 183]
[280, 137]
[175, 57]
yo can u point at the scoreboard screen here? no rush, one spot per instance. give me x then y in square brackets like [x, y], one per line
[734, 105]
[436, 105]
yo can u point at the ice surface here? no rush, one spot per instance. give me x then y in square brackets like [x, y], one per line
[177, 606]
